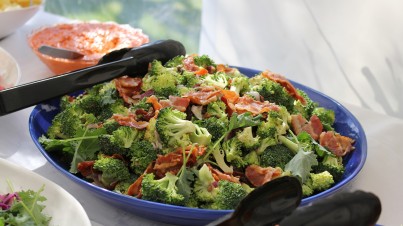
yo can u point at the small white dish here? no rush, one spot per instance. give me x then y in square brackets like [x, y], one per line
[11, 20]
[10, 74]
[64, 209]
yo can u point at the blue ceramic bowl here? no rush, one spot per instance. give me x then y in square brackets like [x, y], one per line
[346, 124]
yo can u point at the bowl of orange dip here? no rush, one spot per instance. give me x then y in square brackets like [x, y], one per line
[92, 39]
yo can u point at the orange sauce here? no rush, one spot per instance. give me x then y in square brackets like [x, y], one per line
[93, 40]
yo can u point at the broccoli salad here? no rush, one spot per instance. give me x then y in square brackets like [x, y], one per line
[197, 134]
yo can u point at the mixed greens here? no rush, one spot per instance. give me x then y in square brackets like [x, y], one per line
[198, 134]
[23, 208]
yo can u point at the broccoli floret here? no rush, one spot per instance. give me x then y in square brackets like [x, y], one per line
[141, 154]
[200, 136]
[112, 170]
[228, 196]
[172, 127]
[162, 190]
[110, 125]
[276, 124]
[304, 109]
[272, 91]
[188, 79]
[252, 158]
[326, 116]
[203, 61]
[69, 122]
[174, 62]
[218, 79]
[215, 126]
[120, 140]
[160, 79]
[240, 84]
[248, 140]
[321, 181]
[117, 107]
[233, 152]
[333, 165]
[217, 109]
[276, 156]
[204, 188]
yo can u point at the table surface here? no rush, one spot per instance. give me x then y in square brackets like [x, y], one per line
[380, 174]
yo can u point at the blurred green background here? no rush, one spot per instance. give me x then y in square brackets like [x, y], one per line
[159, 19]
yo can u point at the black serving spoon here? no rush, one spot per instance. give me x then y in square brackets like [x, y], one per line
[128, 61]
[356, 208]
[266, 205]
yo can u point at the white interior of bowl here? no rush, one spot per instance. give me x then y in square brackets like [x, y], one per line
[10, 74]
[11, 20]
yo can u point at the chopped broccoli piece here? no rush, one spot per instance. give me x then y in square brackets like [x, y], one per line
[252, 158]
[272, 92]
[215, 126]
[233, 152]
[162, 190]
[276, 156]
[161, 79]
[321, 181]
[120, 140]
[188, 79]
[173, 129]
[174, 62]
[204, 188]
[333, 165]
[240, 84]
[275, 124]
[326, 116]
[218, 79]
[113, 170]
[304, 109]
[203, 61]
[228, 196]
[141, 154]
[248, 140]
[217, 109]
[200, 136]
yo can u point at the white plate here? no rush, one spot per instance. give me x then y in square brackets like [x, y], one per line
[9, 70]
[64, 209]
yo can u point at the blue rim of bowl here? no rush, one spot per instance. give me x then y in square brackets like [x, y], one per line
[140, 202]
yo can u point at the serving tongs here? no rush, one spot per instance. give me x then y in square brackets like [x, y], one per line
[276, 203]
[128, 61]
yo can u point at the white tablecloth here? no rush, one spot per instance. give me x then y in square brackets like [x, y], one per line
[381, 173]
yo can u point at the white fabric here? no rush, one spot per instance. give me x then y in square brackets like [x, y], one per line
[349, 50]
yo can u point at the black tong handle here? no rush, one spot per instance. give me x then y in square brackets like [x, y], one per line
[132, 62]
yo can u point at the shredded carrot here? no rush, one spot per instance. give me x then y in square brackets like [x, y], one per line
[154, 101]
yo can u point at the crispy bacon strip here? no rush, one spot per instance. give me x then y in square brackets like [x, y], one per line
[314, 127]
[248, 104]
[218, 175]
[258, 176]
[336, 143]
[129, 120]
[285, 83]
[189, 64]
[173, 161]
[178, 103]
[203, 96]
[128, 87]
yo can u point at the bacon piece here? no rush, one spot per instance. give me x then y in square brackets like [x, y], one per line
[189, 64]
[135, 188]
[224, 68]
[178, 103]
[218, 175]
[285, 83]
[258, 176]
[129, 120]
[173, 161]
[314, 127]
[154, 101]
[128, 87]
[86, 168]
[336, 143]
[203, 96]
[248, 104]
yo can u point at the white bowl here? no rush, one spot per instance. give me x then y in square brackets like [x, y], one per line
[64, 209]
[11, 20]
[10, 74]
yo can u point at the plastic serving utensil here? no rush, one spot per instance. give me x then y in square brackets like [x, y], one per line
[129, 61]
[357, 208]
[60, 52]
[266, 205]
